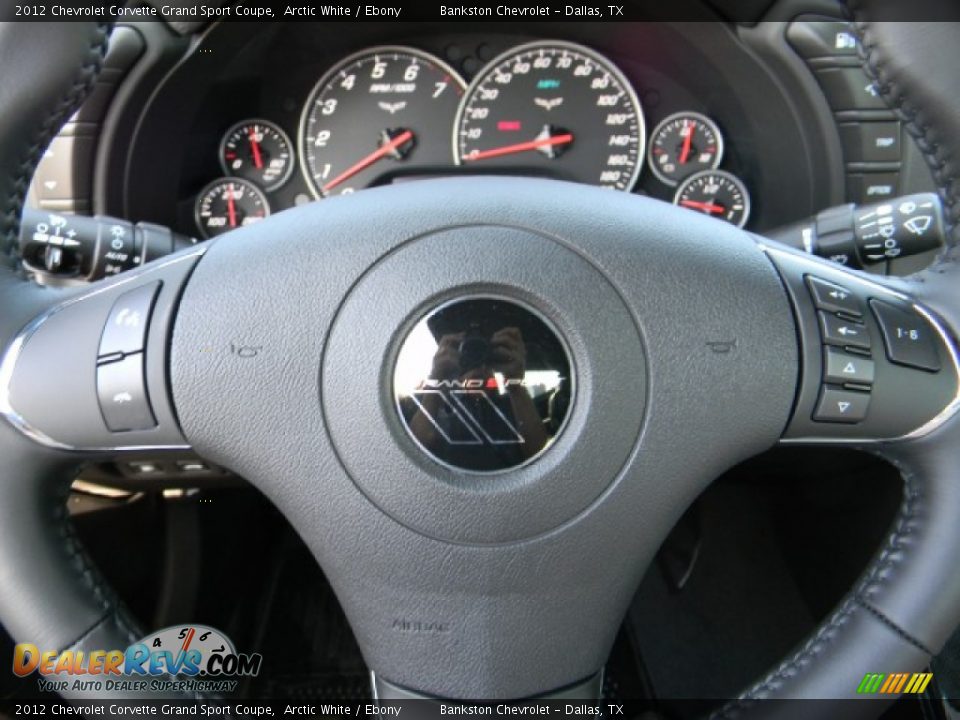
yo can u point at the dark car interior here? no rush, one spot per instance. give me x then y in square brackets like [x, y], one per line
[731, 176]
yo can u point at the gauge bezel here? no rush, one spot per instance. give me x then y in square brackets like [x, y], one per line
[700, 117]
[594, 55]
[732, 178]
[219, 181]
[332, 72]
[280, 131]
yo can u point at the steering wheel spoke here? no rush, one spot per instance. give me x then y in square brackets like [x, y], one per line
[877, 364]
[88, 375]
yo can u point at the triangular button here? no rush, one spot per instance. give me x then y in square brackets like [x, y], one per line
[850, 368]
[843, 406]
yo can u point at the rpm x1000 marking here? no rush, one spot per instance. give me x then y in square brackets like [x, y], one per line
[381, 113]
[555, 109]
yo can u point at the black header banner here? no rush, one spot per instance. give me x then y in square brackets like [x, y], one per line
[205, 11]
[371, 709]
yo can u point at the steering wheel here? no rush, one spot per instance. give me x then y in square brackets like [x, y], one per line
[478, 552]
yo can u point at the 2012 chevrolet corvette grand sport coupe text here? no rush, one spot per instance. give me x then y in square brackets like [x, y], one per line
[482, 362]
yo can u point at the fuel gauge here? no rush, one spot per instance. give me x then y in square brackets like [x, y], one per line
[683, 144]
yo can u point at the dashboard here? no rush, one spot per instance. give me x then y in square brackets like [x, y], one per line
[762, 125]
[392, 113]
[298, 113]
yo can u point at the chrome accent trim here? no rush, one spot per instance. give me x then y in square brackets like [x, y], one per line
[951, 409]
[944, 415]
[10, 356]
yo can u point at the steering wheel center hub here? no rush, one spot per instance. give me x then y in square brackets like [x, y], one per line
[483, 384]
[484, 403]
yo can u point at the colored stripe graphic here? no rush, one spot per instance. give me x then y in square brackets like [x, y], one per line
[894, 683]
[870, 683]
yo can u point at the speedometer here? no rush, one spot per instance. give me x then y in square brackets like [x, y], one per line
[377, 115]
[555, 109]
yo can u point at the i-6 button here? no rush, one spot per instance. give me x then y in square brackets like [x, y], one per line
[909, 340]
[840, 368]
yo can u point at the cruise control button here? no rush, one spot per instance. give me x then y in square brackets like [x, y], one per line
[837, 331]
[907, 337]
[841, 406]
[833, 298]
[126, 328]
[123, 395]
[840, 367]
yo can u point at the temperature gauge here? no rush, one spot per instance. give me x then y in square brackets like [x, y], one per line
[683, 144]
[716, 193]
[229, 203]
[259, 151]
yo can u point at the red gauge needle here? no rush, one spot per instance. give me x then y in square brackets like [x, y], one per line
[231, 207]
[685, 152]
[255, 146]
[521, 147]
[711, 208]
[384, 149]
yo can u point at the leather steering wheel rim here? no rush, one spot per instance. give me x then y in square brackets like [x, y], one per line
[903, 608]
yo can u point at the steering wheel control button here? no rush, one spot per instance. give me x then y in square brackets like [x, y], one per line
[822, 38]
[907, 337]
[126, 328]
[872, 186]
[849, 88]
[123, 395]
[483, 384]
[841, 406]
[833, 298]
[871, 142]
[841, 368]
[845, 333]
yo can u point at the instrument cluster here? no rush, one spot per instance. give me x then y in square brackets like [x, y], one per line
[545, 108]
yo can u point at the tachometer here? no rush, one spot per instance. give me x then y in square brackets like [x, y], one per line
[381, 113]
[555, 109]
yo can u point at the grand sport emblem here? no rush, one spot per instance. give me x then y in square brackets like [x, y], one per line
[483, 384]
